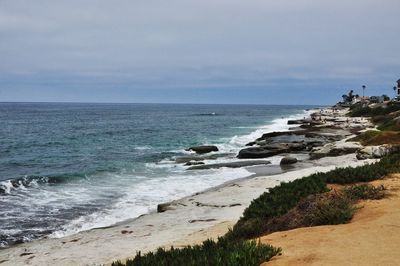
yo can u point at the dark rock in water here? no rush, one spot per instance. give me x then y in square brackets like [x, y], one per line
[282, 133]
[288, 160]
[193, 163]
[298, 122]
[253, 153]
[271, 150]
[203, 149]
[162, 207]
[251, 143]
[186, 159]
[230, 165]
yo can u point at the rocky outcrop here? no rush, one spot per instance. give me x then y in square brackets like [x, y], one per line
[256, 152]
[193, 163]
[376, 152]
[203, 149]
[229, 165]
[271, 150]
[288, 160]
[185, 159]
[335, 149]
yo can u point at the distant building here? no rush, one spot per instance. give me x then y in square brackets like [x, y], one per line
[398, 88]
[359, 99]
[376, 99]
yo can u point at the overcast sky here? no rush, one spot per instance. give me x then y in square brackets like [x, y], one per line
[208, 51]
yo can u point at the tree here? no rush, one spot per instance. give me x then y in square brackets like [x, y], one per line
[363, 87]
[385, 97]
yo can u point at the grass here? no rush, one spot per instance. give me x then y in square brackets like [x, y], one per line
[223, 252]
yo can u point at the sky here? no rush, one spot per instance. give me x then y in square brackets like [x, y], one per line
[208, 51]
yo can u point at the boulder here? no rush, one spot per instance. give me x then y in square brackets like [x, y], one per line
[185, 159]
[297, 122]
[288, 160]
[271, 150]
[203, 149]
[162, 207]
[335, 149]
[193, 163]
[376, 152]
[229, 165]
[253, 153]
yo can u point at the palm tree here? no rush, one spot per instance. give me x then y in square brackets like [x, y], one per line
[363, 87]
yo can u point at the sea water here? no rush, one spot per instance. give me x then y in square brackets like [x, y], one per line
[69, 167]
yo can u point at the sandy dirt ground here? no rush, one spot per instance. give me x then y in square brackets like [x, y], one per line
[371, 238]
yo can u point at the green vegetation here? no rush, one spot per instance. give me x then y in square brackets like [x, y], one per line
[385, 116]
[364, 192]
[223, 252]
[276, 202]
[329, 208]
[279, 200]
[375, 137]
[318, 209]
[365, 110]
[302, 202]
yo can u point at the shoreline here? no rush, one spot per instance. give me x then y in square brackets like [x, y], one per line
[188, 220]
[209, 210]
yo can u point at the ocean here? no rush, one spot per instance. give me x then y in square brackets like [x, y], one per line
[69, 167]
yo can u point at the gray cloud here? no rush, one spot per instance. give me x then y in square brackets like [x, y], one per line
[208, 42]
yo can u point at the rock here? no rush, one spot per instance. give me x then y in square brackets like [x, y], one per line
[376, 152]
[162, 207]
[185, 159]
[229, 165]
[281, 133]
[288, 160]
[271, 150]
[203, 149]
[335, 149]
[193, 163]
[253, 153]
[296, 122]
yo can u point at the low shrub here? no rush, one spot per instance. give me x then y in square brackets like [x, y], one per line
[276, 202]
[280, 199]
[375, 137]
[364, 192]
[362, 110]
[328, 209]
[223, 252]
[320, 209]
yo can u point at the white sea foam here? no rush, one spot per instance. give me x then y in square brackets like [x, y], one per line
[131, 193]
[144, 193]
[280, 124]
[143, 197]
[7, 186]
